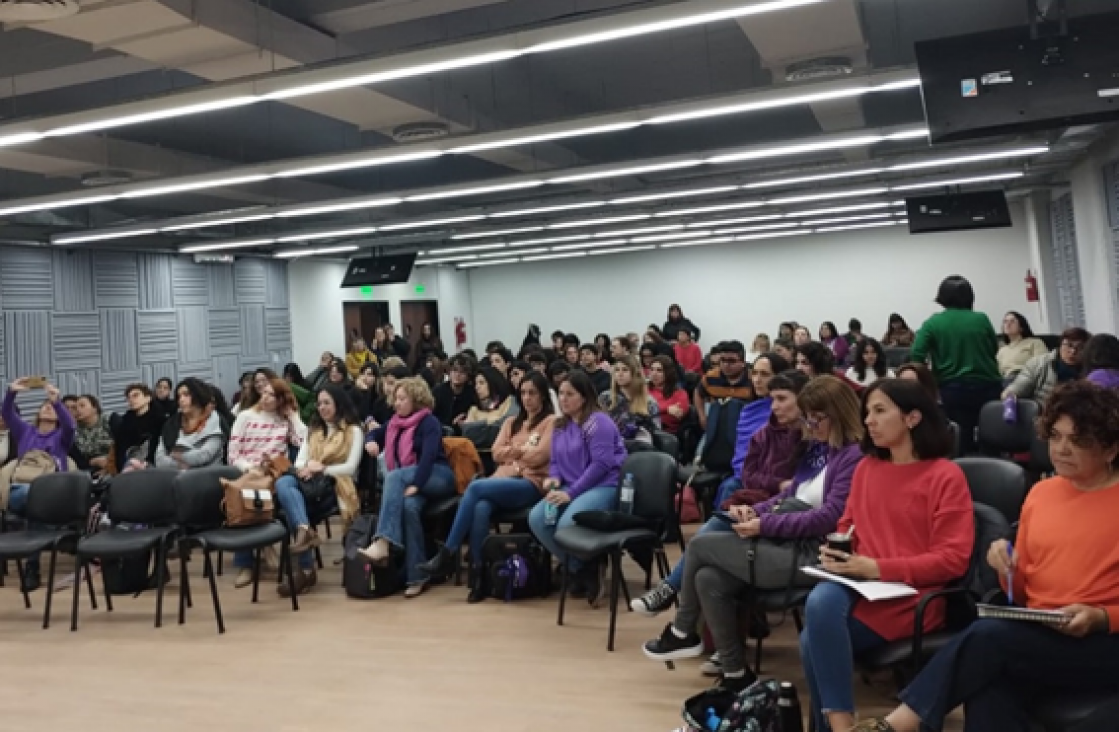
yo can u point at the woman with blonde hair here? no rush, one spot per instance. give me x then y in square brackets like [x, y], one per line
[634, 411]
[416, 470]
[761, 344]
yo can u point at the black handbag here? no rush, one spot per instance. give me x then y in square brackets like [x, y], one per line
[317, 489]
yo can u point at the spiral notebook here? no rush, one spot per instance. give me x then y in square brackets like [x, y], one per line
[1052, 618]
[870, 589]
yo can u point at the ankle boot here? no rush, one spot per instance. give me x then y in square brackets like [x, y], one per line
[442, 564]
[477, 586]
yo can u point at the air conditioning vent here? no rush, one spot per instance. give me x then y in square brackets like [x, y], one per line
[826, 67]
[35, 11]
[420, 131]
[97, 178]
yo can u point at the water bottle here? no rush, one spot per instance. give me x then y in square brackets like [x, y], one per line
[551, 512]
[625, 496]
[788, 709]
[713, 720]
[1010, 409]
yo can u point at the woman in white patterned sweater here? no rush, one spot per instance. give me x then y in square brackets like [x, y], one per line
[271, 428]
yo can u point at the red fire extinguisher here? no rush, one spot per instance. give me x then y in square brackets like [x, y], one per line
[1031, 287]
[460, 332]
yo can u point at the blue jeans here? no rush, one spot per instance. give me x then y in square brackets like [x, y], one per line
[828, 645]
[676, 578]
[291, 500]
[400, 519]
[996, 667]
[478, 504]
[17, 504]
[603, 498]
[728, 486]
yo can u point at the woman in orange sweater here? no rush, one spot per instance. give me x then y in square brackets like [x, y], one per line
[522, 451]
[912, 514]
[1065, 558]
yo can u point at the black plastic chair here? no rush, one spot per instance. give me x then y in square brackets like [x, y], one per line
[896, 356]
[1077, 711]
[438, 515]
[997, 437]
[198, 497]
[655, 475]
[997, 483]
[59, 500]
[667, 443]
[145, 497]
[906, 657]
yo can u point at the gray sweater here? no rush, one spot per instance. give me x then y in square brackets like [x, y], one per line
[199, 450]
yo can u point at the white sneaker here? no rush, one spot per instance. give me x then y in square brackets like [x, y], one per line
[244, 578]
[712, 666]
[655, 601]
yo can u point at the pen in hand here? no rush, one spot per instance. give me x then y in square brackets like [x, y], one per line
[1010, 573]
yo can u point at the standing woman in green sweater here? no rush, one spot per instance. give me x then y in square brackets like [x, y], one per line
[961, 345]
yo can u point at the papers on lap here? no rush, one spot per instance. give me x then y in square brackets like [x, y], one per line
[869, 589]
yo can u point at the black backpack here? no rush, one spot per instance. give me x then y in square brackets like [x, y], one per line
[515, 566]
[361, 578]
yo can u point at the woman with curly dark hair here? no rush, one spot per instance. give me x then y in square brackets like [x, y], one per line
[1064, 560]
[869, 364]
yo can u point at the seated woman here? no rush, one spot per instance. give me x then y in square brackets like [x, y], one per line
[671, 399]
[1018, 346]
[1100, 360]
[870, 363]
[914, 524]
[1042, 374]
[412, 443]
[93, 439]
[721, 564]
[332, 448]
[558, 371]
[251, 391]
[629, 404]
[495, 400]
[646, 354]
[165, 397]
[1065, 558]
[304, 396]
[587, 456]
[522, 452]
[51, 433]
[136, 438]
[365, 389]
[831, 338]
[268, 429]
[358, 356]
[898, 333]
[195, 436]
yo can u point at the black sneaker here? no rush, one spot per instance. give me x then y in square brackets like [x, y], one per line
[655, 601]
[669, 647]
[737, 684]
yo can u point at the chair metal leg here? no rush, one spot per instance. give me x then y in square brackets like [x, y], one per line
[326, 523]
[89, 585]
[50, 586]
[625, 586]
[256, 574]
[213, 590]
[221, 561]
[318, 557]
[563, 589]
[161, 560]
[184, 584]
[77, 593]
[615, 580]
[105, 588]
[458, 567]
[22, 586]
[285, 566]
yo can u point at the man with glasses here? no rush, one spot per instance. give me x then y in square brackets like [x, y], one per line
[1042, 374]
[455, 397]
[729, 379]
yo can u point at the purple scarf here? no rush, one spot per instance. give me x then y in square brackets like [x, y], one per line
[401, 439]
[811, 463]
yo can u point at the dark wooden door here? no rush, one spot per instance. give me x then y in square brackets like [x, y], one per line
[413, 314]
[362, 318]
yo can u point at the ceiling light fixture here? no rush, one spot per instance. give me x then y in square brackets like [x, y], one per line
[445, 260]
[589, 245]
[853, 227]
[293, 253]
[669, 237]
[729, 222]
[360, 163]
[635, 170]
[967, 159]
[712, 209]
[676, 194]
[339, 207]
[599, 222]
[502, 232]
[638, 232]
[960, 181]
[481, 190]
[217, 222]
[475, 248]
[546, 257]
[187, 187]
[698, 242]
[433, 222]
[153, 116]
[749, 229]
[493, 255]
[354, 231]
[32, 207]
[83, 238]
[545, 137]
[195, 248]
[547, 209]
[621, 250]
[550, 240]
[840, 209]
[786, 150]
[847, 219]
[813, 178]
[827, 196]
[490, 263]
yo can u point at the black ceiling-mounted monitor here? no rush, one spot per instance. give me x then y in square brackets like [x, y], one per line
[958, 212]
[1011, 82]
[386, 270]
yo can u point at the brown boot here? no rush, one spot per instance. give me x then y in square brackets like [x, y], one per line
[306, 539]
[304, 581]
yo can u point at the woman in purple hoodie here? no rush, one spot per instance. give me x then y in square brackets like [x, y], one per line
[1100, 360]
[587, 457]
[52, 433]
[720, 565]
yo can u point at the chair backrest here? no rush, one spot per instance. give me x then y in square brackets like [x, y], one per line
[896, 356]
[954, 433]
[59, 499]
[667, 443]
[654, 474]
[198, 496]
[990, 526]
[722, 433]
[1040, 461]
[997, 483]
[997, 436]
[143, 497]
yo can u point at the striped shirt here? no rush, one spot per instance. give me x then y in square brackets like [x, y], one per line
[257, 434]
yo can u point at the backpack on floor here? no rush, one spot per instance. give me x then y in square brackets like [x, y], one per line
[515, 566]
[128, 574]
[754, 709]
[361, 578]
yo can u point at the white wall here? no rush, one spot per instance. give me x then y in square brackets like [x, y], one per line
[1094, 239]
[316, 304]
[738, 290]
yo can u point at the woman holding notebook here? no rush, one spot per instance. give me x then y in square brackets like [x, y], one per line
[912, 516]
[1065, 559]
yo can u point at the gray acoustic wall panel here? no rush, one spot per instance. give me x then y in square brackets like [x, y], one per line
[73, 281]
[97, 321]
[115, 280]
[26, 280]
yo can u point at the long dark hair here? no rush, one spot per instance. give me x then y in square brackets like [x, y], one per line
[880, 367]
[540, 381]
[668, 366]
[250, 400]
[499, 387]
[584, 387]
[201, 396]
[1100, 352]
[931, 439]
[1023, 326]
[344, 410]
[294, 374]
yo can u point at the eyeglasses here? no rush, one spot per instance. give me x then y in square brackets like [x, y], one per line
[1074, 346]
[730, 360]
[812, 422]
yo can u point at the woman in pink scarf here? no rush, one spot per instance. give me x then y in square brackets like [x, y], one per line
[416, 469]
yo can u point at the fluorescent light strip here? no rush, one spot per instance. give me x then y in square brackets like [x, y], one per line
[589, 245]
[476, 248]
[827, 196]
[293, 253]
[337, 207]
[847, 219]
[698, 242]
[547, 209]
[638, 232]
[967, 159]
[353, 231]
[502, 232]
[133, 119]
[636, 170]
[434, 222]
[670, 237]
[225, 245]
[783, 150]
[80, 239]
[545, 257]
[728, 222]
[540, 250]
[960, 181]
[20, 138]
[32, 207]
[550, 240]
[599, 222]
[362, 163]
[814, 178]
[712, 209]
[217, 222]
[748, 229]
[197, 186]
[491, 263]
[478, 191]
[545, 137]
[621, 250]
[854, 227]
[446, 260]
[841, 209]
[677, 194]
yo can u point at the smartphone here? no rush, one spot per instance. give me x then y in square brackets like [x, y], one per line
[36, 382]
[724, 516]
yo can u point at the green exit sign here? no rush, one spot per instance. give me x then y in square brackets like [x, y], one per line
[420, 289]
[367, 290]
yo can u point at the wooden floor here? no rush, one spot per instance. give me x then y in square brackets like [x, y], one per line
[431, 663]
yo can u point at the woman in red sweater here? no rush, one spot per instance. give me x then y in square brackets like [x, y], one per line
[671, 399]
[912, 514]
[1064, 558]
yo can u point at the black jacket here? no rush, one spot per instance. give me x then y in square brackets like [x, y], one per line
[401, 348]
[671, 328]
[134, 431]
[449, 405]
